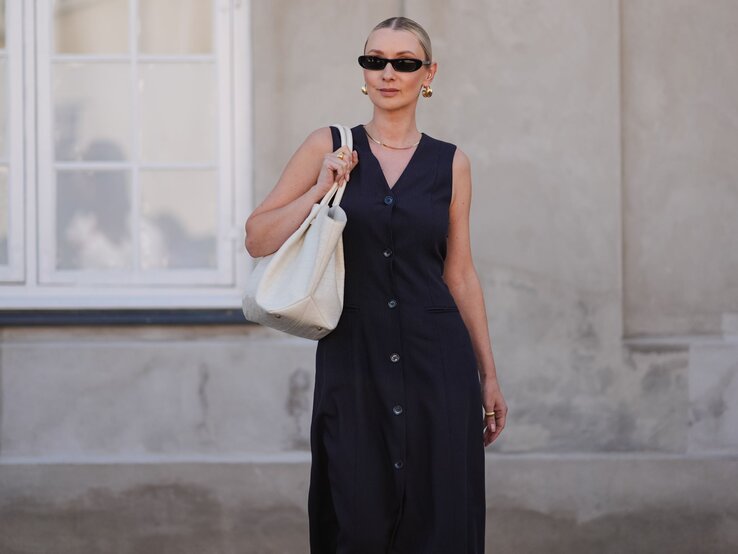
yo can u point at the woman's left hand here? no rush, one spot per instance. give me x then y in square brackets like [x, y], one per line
[493, 401]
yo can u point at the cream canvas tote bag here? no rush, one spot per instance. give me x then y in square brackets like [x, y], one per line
[299, 288]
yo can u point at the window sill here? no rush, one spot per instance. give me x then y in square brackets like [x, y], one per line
[66, 317]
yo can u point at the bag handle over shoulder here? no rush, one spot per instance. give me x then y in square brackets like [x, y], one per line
[347, 139]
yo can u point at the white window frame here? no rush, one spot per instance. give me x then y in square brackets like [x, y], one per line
[232, 33]
[14, 271]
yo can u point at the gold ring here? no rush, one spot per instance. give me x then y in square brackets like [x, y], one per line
[340, 155]
[489, 413]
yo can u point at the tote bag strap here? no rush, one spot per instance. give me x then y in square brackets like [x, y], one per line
[347, 139]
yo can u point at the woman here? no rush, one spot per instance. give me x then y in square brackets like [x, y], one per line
[406, 382]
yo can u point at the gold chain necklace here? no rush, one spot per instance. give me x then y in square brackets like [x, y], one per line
[388, 146]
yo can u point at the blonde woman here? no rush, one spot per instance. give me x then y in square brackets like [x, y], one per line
[406, 394]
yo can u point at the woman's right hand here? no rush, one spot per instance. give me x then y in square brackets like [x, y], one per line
[307, 177]
[336, 169]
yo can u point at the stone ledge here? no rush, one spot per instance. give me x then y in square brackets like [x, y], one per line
[552, 503]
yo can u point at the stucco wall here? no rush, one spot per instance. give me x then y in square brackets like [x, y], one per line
[680, 137]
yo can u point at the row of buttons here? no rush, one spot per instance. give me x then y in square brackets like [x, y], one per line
[388, 200]
[394, 357]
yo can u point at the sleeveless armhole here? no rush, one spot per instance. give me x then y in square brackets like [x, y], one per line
[450, 152]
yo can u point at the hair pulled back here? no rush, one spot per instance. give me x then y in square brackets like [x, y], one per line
[401, 23]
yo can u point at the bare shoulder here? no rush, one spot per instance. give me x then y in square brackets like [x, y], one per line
[461, 177]
[301, 170]
[461, 163]
[320, 140]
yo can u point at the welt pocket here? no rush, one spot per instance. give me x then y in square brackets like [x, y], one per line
[442, 308]
[350, 308]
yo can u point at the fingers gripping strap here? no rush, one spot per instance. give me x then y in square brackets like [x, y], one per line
[347, 139]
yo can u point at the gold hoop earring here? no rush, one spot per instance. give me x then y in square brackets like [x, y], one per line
[364, 90]
[427, 91]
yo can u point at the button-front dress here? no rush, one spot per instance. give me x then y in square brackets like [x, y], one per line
[396, 429]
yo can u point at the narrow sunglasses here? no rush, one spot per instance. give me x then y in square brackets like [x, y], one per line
[405, 65]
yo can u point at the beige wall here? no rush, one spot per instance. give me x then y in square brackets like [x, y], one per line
[680, 148]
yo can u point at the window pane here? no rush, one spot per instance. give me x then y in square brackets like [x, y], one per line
[91, 27]
[178, 219]
[93, 210]
[2, 24]
[4, 215]
[130, 182]
[3, 107]
[4, 185]
[178, 112]
[92, 112]
[176, 26]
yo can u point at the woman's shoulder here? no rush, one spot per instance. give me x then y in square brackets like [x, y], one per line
[455, 155]
[443, 144]
[325, 138]
[450, 149]
[320, 139]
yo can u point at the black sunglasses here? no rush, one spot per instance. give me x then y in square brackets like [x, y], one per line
[405, 65]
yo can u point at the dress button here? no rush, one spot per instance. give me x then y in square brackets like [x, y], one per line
[388, 200]
[395, 357]
[392, 303]
[399, 464]
[387, 253]
[397, 410]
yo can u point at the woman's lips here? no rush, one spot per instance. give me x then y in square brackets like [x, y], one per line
[388, 91]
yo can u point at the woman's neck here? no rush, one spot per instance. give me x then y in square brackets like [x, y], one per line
[394, 129]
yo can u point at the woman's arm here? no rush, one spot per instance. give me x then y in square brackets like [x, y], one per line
[308, 175]
[463, 282]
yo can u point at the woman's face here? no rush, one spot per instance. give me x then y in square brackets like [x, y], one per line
[392, 89]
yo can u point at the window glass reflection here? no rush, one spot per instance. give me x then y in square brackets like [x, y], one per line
[4, 111]
[178, 219]
[2, 24]
[4, 214]
[178, 112]
[176, 26]
[91, 26]
[93, 210]
[91, 101]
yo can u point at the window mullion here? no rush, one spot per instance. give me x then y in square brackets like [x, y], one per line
[13, 268]
[135, 143]
[223, 63]
[242, 134]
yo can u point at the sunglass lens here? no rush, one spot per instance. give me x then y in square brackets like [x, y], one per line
[371, 62]
[406, 65]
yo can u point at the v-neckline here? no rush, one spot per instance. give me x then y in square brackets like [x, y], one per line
[379, 166]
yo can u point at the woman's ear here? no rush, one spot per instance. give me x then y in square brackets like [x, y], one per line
[432, 72]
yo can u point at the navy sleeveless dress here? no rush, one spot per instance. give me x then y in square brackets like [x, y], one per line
[396, 429]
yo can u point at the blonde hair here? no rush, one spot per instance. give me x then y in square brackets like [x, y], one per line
[401, 23]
